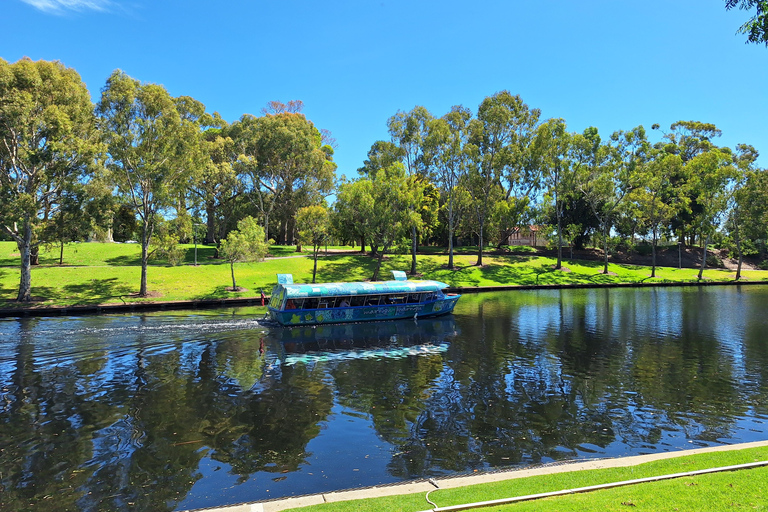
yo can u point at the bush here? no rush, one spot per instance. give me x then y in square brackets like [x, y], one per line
[714, 261]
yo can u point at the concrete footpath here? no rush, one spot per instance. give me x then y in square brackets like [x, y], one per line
[423, 486]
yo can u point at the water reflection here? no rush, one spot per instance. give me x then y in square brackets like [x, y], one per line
[175, 411]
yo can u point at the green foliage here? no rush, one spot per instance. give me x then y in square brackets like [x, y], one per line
[756, 27]
[48, 143]
[155, 146]
[246, 243]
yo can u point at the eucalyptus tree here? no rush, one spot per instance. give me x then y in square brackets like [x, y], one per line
[394, 196]
[606, 173]
[449, 152]
[712, 174]
[512, 124]
[352, 211]
[48, 144]
[154, 149]
[409, 131]
[688, 139]
[314, 225]
[551, 148]
[285, 165]
[744, 160]
[380, 208]
[655, 195]
[216, 186]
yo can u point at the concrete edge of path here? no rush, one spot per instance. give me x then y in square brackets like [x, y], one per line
[424, 486]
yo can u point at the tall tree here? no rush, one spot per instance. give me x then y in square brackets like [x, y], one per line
[744, 160]
[656, 197]
[286, 164]
[154, 149]
[712, 173]
[756, 27]
[447, 149]
[352, 211]
[313, 223]
[552, 145]
[606, 173]
[48, 143]
[409, 131]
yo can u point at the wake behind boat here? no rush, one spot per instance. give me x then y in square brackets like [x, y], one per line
[310, 304]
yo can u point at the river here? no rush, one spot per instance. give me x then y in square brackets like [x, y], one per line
[171, 411]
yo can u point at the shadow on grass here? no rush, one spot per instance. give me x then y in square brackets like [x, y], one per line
[95, 291]
[124, 261]
[221, 292]
[205, 256]
[332, 269]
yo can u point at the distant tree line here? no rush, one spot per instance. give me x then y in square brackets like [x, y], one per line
[146, 166]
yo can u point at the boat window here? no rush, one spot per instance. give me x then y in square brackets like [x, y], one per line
[291, 304]
[325, 303]
[429, 296]
[396, 299]
[414, 298]
[358, 300]
[372, 300]
[310, 304]
[299, 303]
[343, 302]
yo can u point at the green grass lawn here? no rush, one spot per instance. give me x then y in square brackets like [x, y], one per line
[738, 490]
[96, 273]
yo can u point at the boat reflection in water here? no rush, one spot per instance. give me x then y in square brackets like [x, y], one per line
[391, 339]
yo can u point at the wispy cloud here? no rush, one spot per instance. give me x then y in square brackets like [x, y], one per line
[61, 6]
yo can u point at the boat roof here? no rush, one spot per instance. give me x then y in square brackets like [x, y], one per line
[298, 291]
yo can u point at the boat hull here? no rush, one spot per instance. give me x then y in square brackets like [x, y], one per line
[437, 307]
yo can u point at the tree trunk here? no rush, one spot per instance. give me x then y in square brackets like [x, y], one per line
[738, 250]
[414, 248]
[232, 270]
[61, 253]
[559, 263]
[34, 255]
[145, 236]
[450, 241]
[25, 283]
[362, 244]
[314, 269]
[605, 249]
[653, 253]
[704, 258]
[378, 263]
[479, 262]
[210, 228]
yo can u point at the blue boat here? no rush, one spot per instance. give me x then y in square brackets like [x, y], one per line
[325, 303]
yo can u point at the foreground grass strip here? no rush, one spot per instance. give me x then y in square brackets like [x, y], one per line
[720, 491]
[592, 488]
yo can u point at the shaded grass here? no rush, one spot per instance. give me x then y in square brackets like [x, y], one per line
[747, 489]
[101, 280]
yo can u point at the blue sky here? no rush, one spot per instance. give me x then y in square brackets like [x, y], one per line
[613, 64]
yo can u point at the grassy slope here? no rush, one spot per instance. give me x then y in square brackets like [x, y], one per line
[746, 489]
[109, 273]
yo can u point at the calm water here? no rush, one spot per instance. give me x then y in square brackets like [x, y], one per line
[172, 411]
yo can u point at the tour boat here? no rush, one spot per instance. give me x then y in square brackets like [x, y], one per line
[324, 303]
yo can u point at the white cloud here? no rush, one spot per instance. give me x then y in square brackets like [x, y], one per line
[59, 6]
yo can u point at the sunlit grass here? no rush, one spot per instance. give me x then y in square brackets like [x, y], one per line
[109, 273]
[745, 489]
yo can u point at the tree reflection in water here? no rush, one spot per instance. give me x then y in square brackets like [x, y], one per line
[167, 412]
